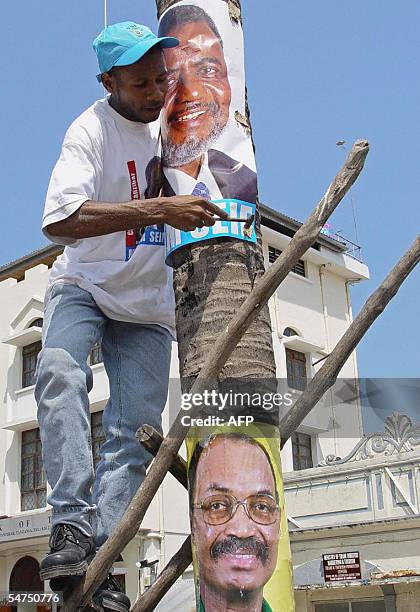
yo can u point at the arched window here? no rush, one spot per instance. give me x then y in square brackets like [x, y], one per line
[289, 331]
[37, 323]
[25, 576]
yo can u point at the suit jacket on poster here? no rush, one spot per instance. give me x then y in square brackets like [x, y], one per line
[234, 179]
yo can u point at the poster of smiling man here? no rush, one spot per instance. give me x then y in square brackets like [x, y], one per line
[205, 150]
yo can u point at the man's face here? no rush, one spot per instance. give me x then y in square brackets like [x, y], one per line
[138, 91]
[239, 555]
[197, 105]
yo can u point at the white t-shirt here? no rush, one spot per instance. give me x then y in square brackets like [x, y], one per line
[104, 158]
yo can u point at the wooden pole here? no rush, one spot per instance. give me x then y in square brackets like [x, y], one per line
[219, 353]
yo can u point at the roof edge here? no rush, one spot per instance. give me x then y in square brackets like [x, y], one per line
[17, 268]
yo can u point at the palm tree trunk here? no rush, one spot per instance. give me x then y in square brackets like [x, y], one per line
[211, 281]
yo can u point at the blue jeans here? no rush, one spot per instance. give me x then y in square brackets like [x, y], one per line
[136, 359]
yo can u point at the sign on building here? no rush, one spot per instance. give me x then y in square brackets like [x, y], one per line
[20, 527]
[342, 567]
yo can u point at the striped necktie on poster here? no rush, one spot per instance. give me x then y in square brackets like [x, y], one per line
[202, 191]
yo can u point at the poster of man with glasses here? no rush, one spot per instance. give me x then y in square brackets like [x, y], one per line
[238, 522]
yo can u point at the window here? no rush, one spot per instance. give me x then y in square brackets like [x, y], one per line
[289, 331]
[148, 571]
[296, 369]
[368, 606]
[37, 323]
[376, 605]
[95, 355]
[29, 357]
[98, 436]
[299, 268]
[33, 485]
[25, 576]
[120, 580]
[302, 451]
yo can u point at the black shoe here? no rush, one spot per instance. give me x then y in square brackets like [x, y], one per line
[70, 554]
[110, 597]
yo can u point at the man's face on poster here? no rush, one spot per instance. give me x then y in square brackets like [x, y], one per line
[240, 555]
[199, 95]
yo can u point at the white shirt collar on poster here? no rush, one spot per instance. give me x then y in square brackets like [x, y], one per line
[184, 184]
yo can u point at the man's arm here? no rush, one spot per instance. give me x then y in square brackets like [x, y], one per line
[100, 218]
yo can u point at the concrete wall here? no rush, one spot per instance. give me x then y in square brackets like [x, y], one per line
[408, 597]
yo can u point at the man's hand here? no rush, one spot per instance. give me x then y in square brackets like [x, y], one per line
[189, 212]
[100, 218]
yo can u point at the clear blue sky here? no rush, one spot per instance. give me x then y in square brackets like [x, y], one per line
[316, 73]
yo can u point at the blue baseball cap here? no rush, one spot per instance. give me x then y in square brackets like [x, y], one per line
[122, 44]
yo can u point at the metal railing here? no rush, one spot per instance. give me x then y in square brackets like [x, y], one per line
[352, 249]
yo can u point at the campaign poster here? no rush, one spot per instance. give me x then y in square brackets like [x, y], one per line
[206, 145]
[241, 548]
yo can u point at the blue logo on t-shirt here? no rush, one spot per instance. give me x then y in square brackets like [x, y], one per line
[153, 235]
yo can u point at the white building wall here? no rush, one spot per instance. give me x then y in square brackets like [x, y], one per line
[319, 314]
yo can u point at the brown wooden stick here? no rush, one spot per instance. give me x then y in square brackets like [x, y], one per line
[299, 244]
[218, 355]
[327, 374]
[175, 568]
[151, 440]
[373, 307]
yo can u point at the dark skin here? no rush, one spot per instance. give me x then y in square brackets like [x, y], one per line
[137, 92]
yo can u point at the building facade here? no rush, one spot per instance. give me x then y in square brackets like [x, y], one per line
[333, 495]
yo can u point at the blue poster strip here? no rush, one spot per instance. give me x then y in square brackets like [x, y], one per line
[237, 209]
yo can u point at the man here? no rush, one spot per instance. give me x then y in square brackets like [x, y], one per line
[235, 522]
[111, 284]
[196, 111]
